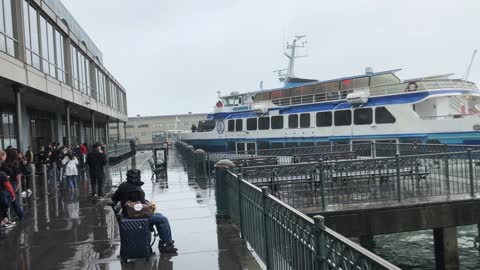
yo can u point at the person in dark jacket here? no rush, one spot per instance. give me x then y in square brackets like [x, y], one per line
[132, 191]
[96, 160]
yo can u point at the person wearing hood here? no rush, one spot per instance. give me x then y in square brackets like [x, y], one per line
[95, 161]
[131, 190]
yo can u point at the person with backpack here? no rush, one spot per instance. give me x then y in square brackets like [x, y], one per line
[70, 162]
[132, 191]
[6, 196]
[96, 160]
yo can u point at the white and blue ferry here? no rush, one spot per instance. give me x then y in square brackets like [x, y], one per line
[375, 106]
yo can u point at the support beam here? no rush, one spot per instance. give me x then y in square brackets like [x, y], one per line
[68, 128]
[93, 127]
[118, 130]
[18, 123]
[446, 248]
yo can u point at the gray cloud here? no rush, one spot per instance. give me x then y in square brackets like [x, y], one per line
[172, 56]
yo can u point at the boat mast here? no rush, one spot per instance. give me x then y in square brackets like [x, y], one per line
[291, 57]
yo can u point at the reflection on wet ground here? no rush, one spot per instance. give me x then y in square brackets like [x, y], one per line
[69, 230]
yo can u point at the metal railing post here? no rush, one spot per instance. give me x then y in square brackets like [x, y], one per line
[373, 150]
[470, 172]
[55, 181]
[322, 184]
[320, 244]
[397, 165]
[240, 214]
[19, 195]
[447, 174]
[45, 179]
[33, 184]
[266, 230]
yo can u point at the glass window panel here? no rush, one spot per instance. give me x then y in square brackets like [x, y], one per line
[231, 125]
[3, 44]
[343, 118]
[2, 26]
[305, 120]
[384, 79]
[264, 123]
[252, 124]
[26, 23]
[238, 122]
[332, 86]
[346, 84]
[277, 122]
[383, 116]
[363, 116]
[360, 82]
[293, 121]
[7, 10]
[324, 119]
[34, 30]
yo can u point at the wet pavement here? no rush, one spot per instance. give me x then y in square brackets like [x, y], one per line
[69, 230]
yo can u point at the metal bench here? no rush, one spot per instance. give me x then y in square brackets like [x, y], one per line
[302, 158]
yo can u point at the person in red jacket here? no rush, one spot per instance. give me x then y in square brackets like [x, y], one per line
[6, 194]
[83, 151]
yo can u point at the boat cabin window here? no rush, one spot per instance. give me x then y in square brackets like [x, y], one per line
[264, 123]
[251, 123]
[293, 121]
[232, 101]
[360, 82]
[384, 79]
[305, 120]
[324, 119]
[231, 125]
[363, 116]
[346, 84]
[206, 125]
[277, 122]
[383, 116]
[332, 86]
[239, 125]
[343, 118]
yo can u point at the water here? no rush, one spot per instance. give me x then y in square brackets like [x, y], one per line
[415, 250]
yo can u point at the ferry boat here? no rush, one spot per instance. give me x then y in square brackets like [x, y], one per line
[374, 106]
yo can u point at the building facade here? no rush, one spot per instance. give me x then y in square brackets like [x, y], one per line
[53, 84]
[157, 129]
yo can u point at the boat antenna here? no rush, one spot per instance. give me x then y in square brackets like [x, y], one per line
[467, 73]
[291, 54]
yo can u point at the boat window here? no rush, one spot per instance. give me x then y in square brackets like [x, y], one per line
[263, 146]
[251, 123]
[363, 116]
[332, 86]
[383, 116]
[264, 123]
[231, 125]
[320, 88]
[206, 125]
[293, 121]
[360, 82]
[343, 118]
[239, 125]
[277, 122]
[324, 119]
[384, 79]
[305, 120]
[346, 84]
[276, 94]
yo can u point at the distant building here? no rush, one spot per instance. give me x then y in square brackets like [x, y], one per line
[150, 129]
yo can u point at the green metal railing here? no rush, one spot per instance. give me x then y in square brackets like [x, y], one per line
[118, 149]
[283, 237]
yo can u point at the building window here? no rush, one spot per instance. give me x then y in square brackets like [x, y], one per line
[277, 122]
[239, 125]
[363, 116]
[252, 124]
[324, 119]
[231, 125]
[293, 121]
[101, 86]
[264, 123]
[8, 43]
[383, 116]
[343, 118]
[80, 71]
[31, 35]
[305, 120]
[8, 134]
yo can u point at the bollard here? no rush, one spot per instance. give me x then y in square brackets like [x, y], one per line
[199, 164]
[320, 245]
[45, 179]
[266, 230]
[221, 170]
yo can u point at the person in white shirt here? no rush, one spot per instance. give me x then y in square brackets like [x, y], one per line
[70, 162]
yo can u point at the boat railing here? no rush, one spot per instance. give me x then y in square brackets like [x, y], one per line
[388, 89]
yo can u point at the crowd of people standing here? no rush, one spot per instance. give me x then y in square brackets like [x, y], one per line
[17, 170]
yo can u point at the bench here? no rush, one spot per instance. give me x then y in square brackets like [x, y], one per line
[326, 156]
[255, 161]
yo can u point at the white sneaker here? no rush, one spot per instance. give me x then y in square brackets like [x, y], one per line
[24, 194]
[29, 192]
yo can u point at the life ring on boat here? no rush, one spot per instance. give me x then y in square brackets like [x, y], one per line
[411, 87]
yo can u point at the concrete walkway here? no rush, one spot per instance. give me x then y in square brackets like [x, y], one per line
[69, 230]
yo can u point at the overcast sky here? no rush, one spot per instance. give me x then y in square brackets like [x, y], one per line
[172, 56]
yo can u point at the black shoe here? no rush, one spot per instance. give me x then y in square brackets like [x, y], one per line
[168, 249]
